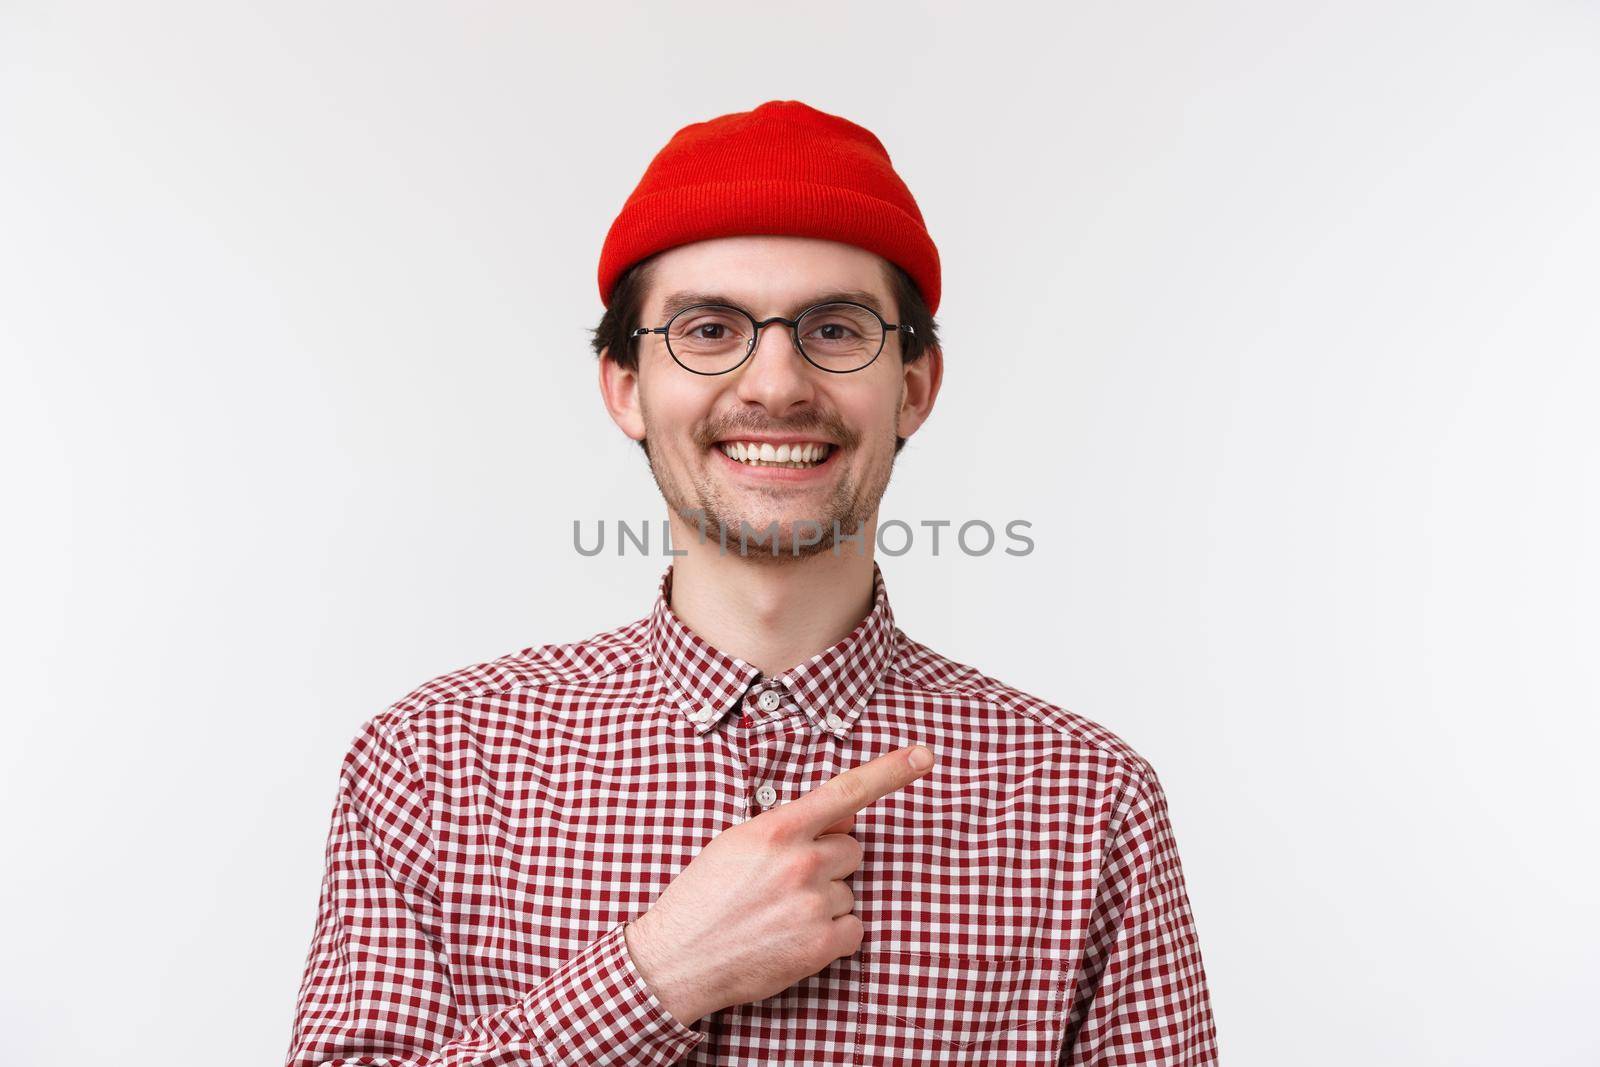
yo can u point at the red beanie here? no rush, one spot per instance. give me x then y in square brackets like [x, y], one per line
[784, 168]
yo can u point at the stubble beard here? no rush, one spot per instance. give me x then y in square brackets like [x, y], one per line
[716, 519]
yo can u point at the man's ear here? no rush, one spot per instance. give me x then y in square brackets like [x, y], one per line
[619, 389]
[922, 379]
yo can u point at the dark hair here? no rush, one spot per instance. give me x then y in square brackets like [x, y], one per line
[611, 338]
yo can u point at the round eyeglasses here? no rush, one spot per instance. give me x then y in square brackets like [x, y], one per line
[716, 338]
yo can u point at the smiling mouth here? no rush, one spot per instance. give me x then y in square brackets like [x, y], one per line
[799, 456]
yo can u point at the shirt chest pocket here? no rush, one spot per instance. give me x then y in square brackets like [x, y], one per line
[949, 1009]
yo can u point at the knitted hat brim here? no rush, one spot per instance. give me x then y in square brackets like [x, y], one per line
[780, 207]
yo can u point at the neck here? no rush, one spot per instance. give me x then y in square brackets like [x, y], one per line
[773, 613]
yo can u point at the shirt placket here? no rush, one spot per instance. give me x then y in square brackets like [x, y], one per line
[768, 774]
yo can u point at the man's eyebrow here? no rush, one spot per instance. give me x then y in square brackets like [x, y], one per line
[684, 298]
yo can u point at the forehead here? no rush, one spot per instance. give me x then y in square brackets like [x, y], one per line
[769, 275]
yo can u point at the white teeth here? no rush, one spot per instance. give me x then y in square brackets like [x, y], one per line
[764, 454]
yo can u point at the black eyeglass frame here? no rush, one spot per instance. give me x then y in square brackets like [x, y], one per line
[794, 333]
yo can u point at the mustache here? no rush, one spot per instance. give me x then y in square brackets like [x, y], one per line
[821, 425]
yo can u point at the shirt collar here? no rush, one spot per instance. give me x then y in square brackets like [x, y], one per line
[829, 690]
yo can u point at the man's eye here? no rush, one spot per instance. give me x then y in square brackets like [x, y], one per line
[839, 332]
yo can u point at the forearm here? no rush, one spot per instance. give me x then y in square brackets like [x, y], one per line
[595, 1008]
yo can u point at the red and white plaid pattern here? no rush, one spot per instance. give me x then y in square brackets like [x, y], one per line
[496, 830]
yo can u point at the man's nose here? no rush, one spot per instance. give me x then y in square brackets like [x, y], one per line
[776, 375]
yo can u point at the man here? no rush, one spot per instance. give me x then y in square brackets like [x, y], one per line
[701, 837]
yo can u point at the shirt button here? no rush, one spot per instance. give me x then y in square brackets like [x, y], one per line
[768, 700]
[833, 721]
[766, 796]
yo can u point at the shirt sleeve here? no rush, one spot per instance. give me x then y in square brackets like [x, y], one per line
[1142, 998]
[377, 989]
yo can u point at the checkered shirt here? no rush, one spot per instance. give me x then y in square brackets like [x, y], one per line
[496, 830]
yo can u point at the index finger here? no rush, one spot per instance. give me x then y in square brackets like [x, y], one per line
[849, 792]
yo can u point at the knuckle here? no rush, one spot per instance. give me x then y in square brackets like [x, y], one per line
[822, 944]
[841, 902]
[783, 824]
[857, 931]
[846, 853]
[800, 868]
[851, 790]
[769, 829]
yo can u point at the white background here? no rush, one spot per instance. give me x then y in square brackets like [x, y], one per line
[1278, 322]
